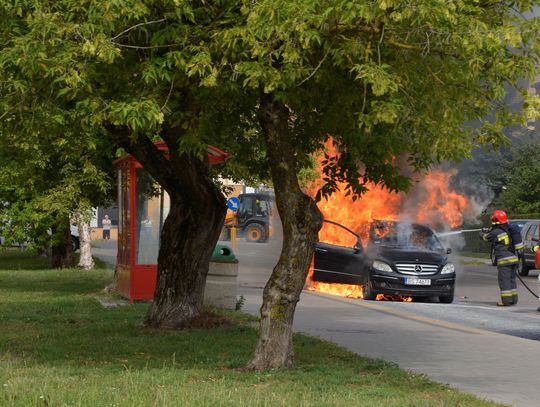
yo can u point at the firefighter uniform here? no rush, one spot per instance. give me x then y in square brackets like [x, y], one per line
[507, 244]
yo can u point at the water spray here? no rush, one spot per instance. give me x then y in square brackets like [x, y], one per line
[457, 232]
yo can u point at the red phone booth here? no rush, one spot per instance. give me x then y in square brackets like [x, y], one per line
[142, 208]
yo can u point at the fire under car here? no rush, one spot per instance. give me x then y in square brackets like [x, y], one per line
[401, 259]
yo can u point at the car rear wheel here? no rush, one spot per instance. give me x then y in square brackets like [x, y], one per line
[446, 299]
[523, 270]
[255, 233]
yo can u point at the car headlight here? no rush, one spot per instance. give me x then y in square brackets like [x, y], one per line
[448, 268]
[381, 266]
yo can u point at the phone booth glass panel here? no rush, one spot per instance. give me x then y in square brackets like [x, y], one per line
[147, 218]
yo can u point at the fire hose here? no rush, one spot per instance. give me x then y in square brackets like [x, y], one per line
[526, 286]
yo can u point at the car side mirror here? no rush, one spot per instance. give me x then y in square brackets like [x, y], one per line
[448, 251]
[357, 247]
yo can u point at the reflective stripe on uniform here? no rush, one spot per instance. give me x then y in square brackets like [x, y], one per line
[506, 293]
[507, 260]
[503, 237]
[519, 246]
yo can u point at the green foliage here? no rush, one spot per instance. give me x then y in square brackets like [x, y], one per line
[393, 84]
[534, 215]
[239, 303]
[521, 194]
[386, 79]
[52, 168]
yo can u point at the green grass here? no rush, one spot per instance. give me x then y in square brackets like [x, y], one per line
[60, 347]
[476, 255]
[18, 259]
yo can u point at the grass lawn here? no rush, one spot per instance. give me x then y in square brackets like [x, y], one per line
[60, 347]
[476, 255]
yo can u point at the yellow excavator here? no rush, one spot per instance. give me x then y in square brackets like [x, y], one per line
[252, 220]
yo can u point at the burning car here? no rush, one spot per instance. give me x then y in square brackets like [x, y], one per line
[404, 259]
[408, 259]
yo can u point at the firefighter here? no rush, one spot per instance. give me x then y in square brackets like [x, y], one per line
[508, 248]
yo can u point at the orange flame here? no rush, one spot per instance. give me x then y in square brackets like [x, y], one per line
[384, 297]
[342, 290]
[430, 201]
[346, 290]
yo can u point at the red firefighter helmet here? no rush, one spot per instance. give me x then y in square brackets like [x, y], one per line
[499, 217]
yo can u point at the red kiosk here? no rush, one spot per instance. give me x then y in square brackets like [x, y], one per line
[142, 208]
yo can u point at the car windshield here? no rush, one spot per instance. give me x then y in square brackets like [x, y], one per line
[404, 236]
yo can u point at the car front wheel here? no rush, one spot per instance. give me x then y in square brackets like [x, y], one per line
[446, 299]
[368, 293]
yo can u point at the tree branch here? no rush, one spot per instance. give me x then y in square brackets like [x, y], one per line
[168, 95]
[144, 47]
[136, 26]
[314, 71]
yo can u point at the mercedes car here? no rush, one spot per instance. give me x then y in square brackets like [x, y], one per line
[401, 259]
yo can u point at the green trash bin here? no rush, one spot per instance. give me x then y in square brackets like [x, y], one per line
[221, 281]
[223, 253]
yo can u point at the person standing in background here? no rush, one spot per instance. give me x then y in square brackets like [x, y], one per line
[106, 223]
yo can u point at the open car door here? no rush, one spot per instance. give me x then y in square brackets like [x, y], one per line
[339, 256]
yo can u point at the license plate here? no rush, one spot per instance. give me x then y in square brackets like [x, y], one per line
[417, 281]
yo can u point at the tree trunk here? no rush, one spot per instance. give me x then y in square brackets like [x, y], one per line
[62, 251]
[301, 221]
[189, 233]
[187, 241]
[113, 286]
[86, 262]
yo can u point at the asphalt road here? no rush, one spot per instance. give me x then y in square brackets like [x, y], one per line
[471, 344]
[476, 293]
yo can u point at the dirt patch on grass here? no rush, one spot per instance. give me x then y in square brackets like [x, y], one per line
[208, 320]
